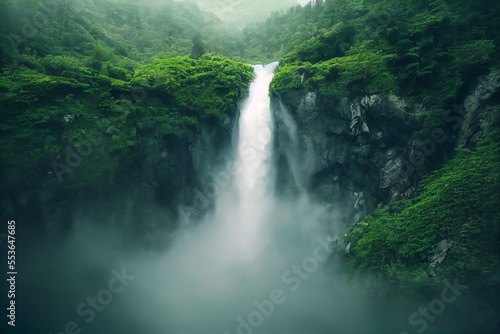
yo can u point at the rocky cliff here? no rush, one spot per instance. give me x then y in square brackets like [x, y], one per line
[374, 149]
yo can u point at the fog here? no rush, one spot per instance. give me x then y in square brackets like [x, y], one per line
[232, 13]
[258, 262]
[242, 12]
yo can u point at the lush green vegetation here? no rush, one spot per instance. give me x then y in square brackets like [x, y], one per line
[209, 85]
[110, 32]
[120, 71]
[349, 76]
[428, 52]
[458, 203]
[425, 51]
[59, 103]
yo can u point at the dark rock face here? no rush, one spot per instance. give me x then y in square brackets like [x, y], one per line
[145, 196]
[365, 152]
[478, 113]
[354, 145]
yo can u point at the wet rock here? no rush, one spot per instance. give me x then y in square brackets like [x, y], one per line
[478, 115]
[365, 145]
[439, 255]
[356, 141]
[391, 173]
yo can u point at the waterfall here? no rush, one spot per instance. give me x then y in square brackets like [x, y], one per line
[254, 180]
[297, 150]
[255, 139]
[256, 263]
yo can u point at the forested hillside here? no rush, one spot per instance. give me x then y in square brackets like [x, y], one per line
[386, 135]
[423, 51]
[432, 55]
[92, 92]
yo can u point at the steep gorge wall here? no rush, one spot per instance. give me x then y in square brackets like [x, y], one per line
[375, 149]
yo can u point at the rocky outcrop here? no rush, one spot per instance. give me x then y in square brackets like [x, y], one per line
[478, 113]
[143, 198]
[354, 144]
[440, 253]
[367, 151]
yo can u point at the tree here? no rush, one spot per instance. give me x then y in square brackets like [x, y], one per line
[197, 50]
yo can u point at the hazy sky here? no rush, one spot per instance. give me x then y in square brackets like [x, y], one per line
[241, 12]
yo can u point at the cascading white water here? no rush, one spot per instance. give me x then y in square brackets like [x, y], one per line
[254, 181]
[217, 274]
[258, 263]
[255, 135]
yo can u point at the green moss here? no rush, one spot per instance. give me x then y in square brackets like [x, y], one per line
[472, 54]
[44, 114]
[350, 76]
[208, 86]
[458, 202]
[289, 76]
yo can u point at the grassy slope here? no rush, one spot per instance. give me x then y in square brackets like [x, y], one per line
[458, 203]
